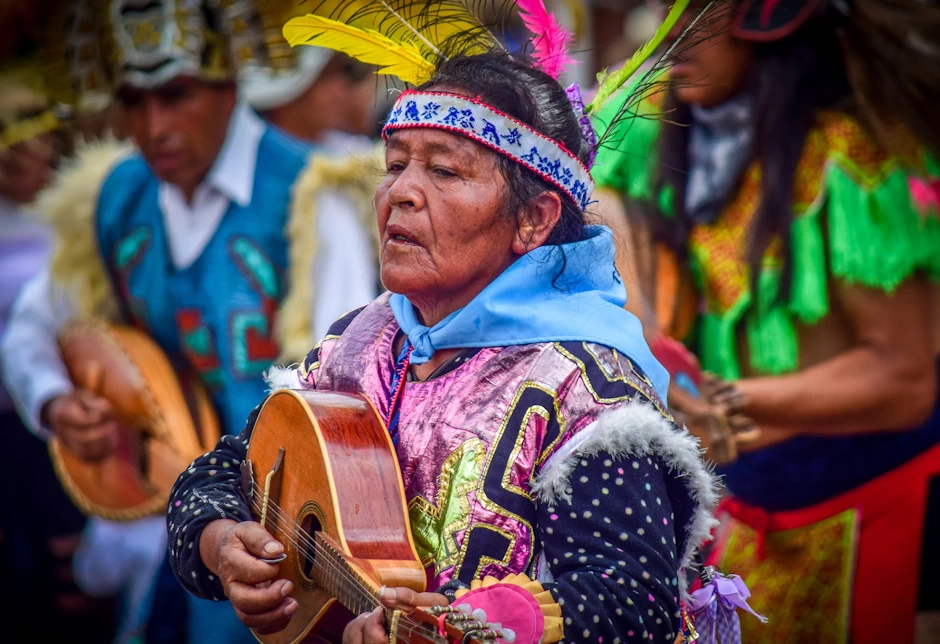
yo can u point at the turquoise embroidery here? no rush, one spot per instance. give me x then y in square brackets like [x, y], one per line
[258, 266]
[254, 347]
[130, 249]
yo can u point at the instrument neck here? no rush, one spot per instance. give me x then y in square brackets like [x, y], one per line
[333, 573]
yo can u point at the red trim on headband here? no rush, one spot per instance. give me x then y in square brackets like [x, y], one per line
[479, 102]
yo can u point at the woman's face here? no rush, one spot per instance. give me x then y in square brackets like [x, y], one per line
[713, 70]
[444, 232]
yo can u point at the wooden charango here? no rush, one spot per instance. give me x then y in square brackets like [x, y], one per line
[322, 477]
[166, 420]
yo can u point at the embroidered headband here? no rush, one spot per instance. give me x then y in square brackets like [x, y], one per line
[497, 131]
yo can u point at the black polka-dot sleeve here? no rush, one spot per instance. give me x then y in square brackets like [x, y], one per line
[611, 547]
[209, 489]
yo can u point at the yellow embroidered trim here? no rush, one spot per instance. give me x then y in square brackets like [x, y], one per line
[486, 560]
[624, 378]
[460, 475]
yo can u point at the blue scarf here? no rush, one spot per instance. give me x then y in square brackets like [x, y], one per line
[522, 306]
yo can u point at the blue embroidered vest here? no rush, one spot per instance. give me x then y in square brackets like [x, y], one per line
[217, 315]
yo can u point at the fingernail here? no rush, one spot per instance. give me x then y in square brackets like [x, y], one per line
[390, 594]
[291, 607]
[271, 547]
[286, 588]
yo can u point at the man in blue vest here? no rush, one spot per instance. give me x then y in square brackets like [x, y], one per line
[184, 235]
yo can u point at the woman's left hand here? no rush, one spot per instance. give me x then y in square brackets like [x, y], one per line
[369, 628]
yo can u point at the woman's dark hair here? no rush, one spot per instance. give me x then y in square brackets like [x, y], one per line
[790, 81]
[515, 87]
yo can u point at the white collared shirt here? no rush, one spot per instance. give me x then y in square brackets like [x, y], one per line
[190, 226]
[345, 274]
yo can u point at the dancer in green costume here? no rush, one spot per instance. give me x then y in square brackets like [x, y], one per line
[814, 271]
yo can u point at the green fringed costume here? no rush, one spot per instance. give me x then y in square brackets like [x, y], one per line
[812, 522]
[854, 221]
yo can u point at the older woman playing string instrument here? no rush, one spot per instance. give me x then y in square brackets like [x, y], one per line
[526, 409]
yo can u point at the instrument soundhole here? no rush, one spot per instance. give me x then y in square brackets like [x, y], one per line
[309, 526]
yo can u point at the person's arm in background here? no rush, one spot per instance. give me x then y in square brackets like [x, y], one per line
[720, 433]
[886, 381]
[36, 377]
[33, 371]
[345, 271]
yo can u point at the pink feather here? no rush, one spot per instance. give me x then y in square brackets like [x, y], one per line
[551, 38]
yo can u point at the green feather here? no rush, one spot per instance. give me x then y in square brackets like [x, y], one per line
[612, 82]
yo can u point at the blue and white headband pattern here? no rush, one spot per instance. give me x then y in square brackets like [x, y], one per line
[499, 132]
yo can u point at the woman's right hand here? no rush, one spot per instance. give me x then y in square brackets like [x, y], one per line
[234, 552]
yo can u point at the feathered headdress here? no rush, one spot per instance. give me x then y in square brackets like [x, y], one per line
[409, 38]
[551, 39]
[404, 39]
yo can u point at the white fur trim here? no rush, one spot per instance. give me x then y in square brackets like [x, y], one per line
[638, 429]
[282, 378]
[355, 176]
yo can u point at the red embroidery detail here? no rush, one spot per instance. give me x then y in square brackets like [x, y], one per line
[190, 323]
[263, 346]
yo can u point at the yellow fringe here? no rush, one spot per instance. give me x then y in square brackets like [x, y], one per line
[69, 206]
[356, 177]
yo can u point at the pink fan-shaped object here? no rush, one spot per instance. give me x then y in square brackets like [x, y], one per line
[552, 39]
[512, 606]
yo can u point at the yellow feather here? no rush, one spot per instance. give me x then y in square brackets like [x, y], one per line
[401, 59]
[364, 14]
[427, 25]
[448, 18]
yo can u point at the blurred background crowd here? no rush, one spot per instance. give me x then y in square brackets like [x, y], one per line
[862, 315]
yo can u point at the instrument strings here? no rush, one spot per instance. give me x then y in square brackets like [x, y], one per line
[326, 563]
[406, 625]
